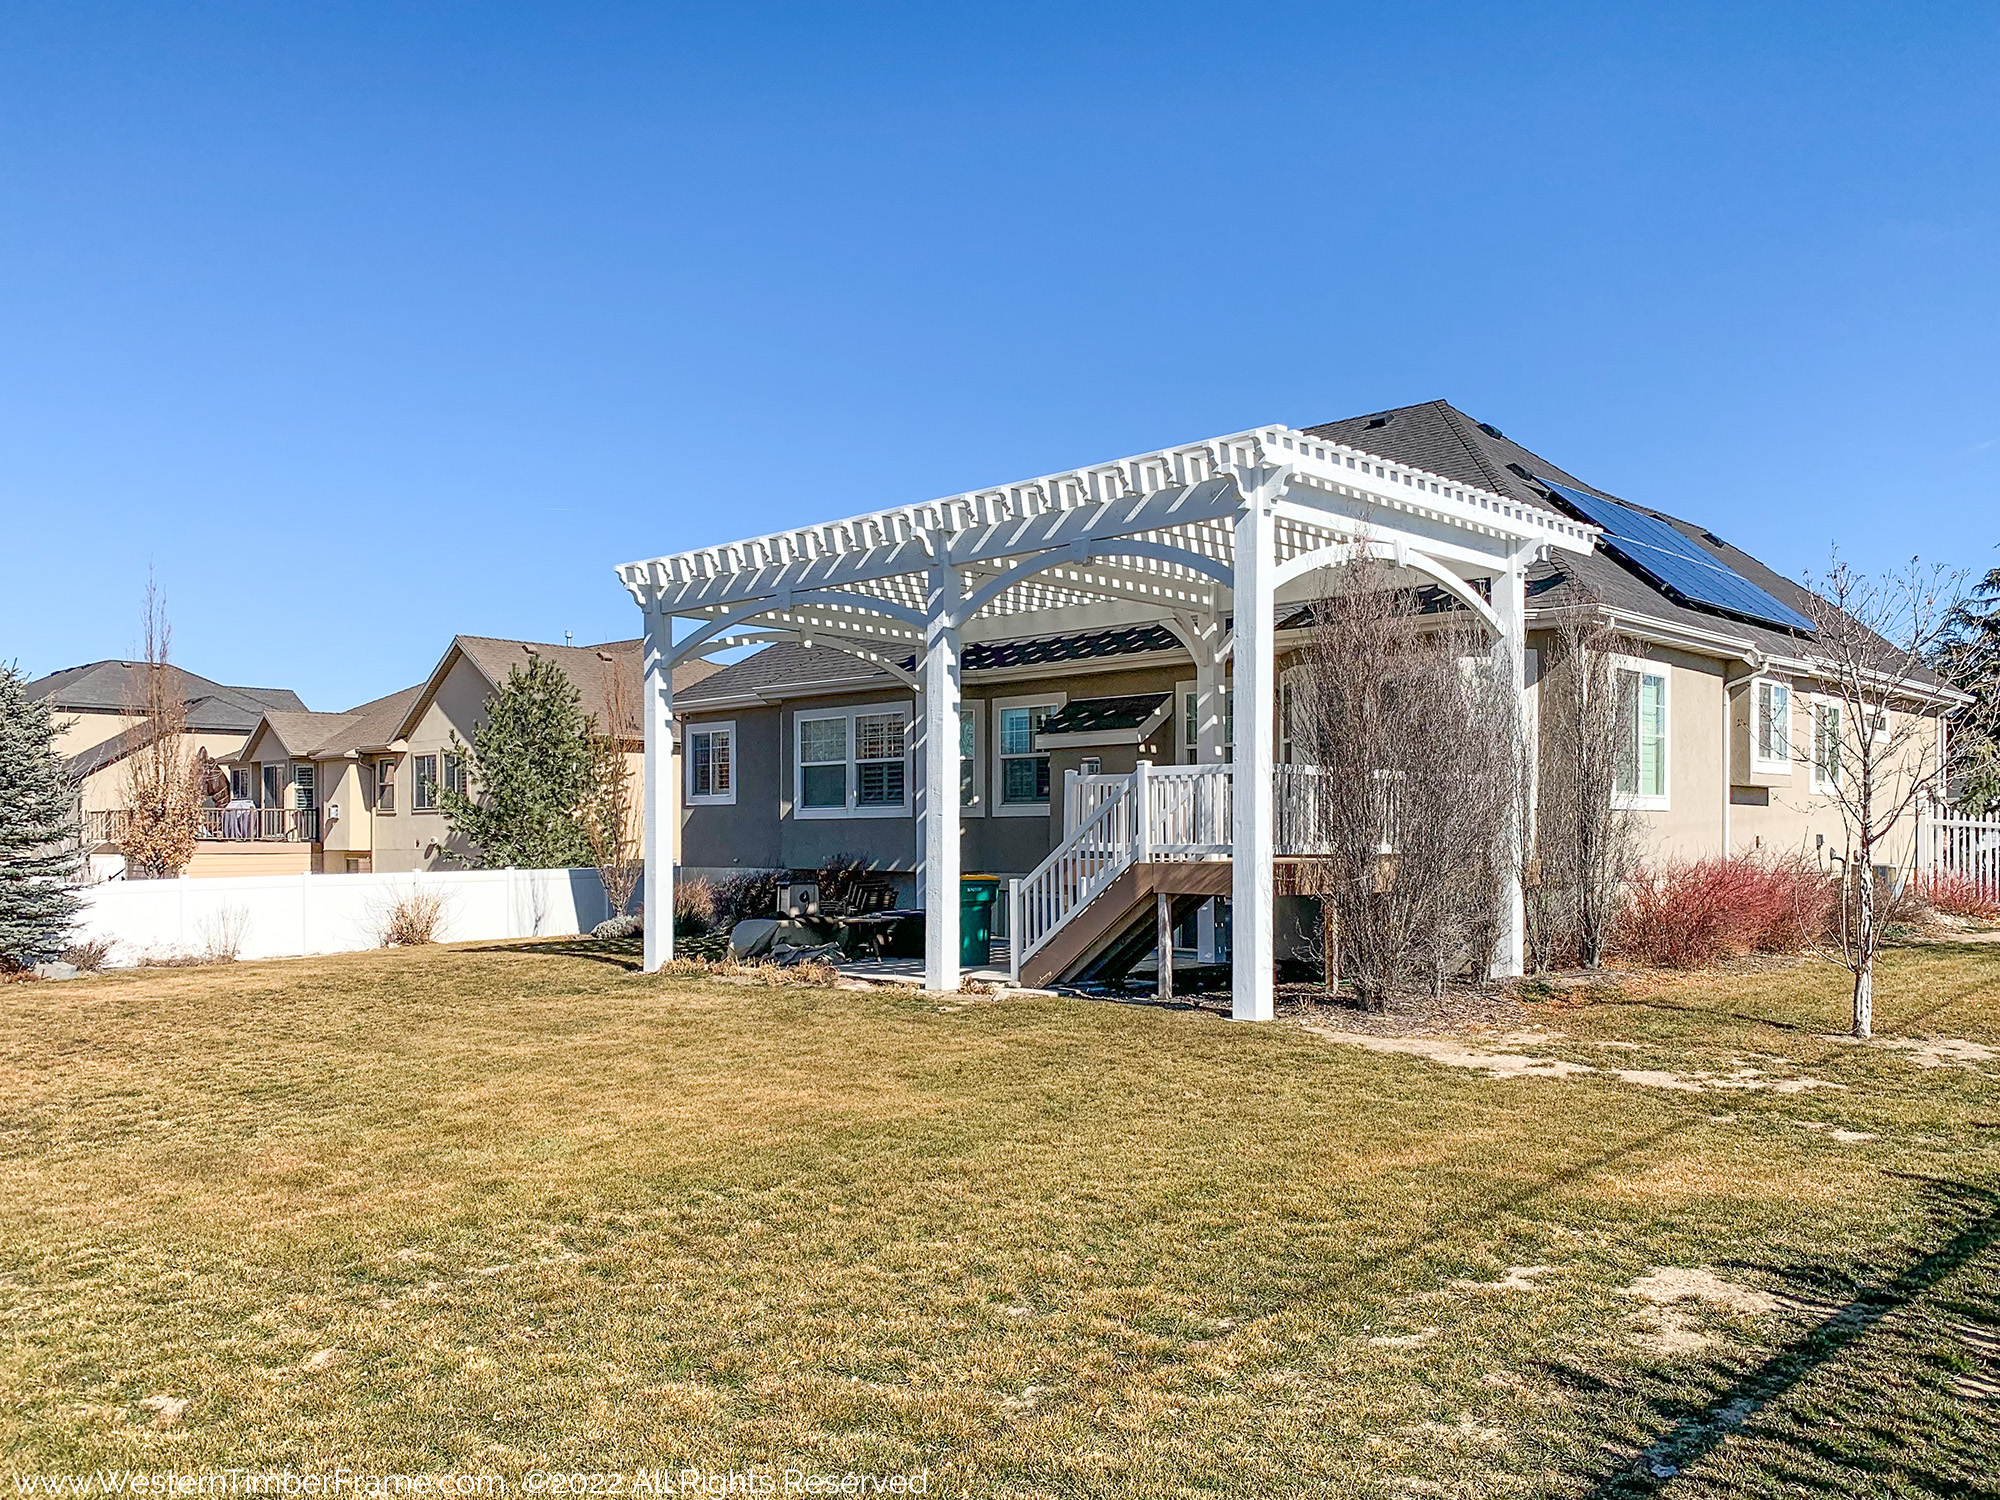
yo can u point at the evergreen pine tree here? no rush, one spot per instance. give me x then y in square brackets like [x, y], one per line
[1970, 659]
[39, 850]
[531, 766]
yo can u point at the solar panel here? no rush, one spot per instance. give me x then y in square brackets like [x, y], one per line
[1674, 562]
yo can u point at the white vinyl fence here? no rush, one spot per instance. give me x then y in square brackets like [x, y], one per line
[289, 916]
[1966, 847]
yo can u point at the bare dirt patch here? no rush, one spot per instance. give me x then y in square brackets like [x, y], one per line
[1663, 1328]
[1931, 1052]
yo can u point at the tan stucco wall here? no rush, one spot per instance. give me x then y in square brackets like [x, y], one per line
[1796, 820]
[78, 730]
[104, 790]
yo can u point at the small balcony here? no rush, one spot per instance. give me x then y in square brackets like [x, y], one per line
[237, 825]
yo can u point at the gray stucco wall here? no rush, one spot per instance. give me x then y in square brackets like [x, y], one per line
[759, 831]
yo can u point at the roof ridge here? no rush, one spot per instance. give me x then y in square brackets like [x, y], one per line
[1456, 420]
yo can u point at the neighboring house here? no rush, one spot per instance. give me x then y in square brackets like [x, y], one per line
[100, 721]
[359, 791]
[1099, 619]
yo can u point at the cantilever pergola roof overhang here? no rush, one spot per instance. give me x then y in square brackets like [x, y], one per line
[1140, 539]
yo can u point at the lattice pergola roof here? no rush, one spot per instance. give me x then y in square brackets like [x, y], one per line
[1155, 530]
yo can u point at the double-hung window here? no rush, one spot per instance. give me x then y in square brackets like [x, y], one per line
[1826, 746]
[1641, 778]
[385, 786]
[1771, 726]
[851, 762]
[711, 763]
[454, 773]
[424, 783]
[1023, 764]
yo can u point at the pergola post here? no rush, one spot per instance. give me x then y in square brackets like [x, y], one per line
[1251, 984]
[1510, 604]
[941, 772]
[657, 700]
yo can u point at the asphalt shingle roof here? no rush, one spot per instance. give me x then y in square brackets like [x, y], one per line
[114, 686]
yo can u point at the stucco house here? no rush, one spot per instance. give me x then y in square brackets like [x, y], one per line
[1063, 631]
[100, 722]
[361, 789]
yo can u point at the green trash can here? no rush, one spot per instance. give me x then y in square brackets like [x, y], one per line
[976, 895]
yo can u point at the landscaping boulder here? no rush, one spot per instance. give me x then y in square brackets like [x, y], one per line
[55, 970]
[619, 927]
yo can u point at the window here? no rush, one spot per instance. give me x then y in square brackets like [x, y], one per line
[454, 773]
[878, 760]
[239, 784]
[305, 786]
[852, 762]
[385, 786]
[1191, 723]
[1826, 747]
[1771, 728]
[1641, 781]
[1024, 765]
[424, 792]
[711, 763]
[968, 760]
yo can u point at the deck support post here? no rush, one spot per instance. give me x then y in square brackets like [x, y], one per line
[1510, 652]
[661, 784]
[1163, 927]
[1252, 983]
[941, 773]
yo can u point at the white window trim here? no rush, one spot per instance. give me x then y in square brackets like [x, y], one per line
[436, 758]
[709, 799]
[1002, 808]
[973, 711]
[1183, 690]
[852, 809]
[1640, 801]
[1760, 764]
[1820, 781]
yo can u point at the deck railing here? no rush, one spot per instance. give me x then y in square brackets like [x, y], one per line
[263, 825]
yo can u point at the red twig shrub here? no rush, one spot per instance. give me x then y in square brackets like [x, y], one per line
[1957, 895]
[1687, 915]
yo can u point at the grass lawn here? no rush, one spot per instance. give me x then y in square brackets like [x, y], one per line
[507, 1208]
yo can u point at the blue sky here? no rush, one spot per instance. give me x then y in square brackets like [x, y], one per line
[365, 325]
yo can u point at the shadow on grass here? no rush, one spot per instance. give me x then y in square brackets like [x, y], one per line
[1823, 1448]
[619, 953]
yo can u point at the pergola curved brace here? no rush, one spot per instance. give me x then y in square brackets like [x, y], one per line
[1402, 556]
[1077, 553]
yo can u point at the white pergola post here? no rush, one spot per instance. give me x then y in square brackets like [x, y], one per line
[941, 771]
[1251, 982]
[658, 849]
[1510, 605]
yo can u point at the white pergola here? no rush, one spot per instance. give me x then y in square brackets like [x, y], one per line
[1206, 538]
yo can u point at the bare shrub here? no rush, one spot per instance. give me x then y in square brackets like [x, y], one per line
[413, 920]
[1583, 846]
[611, 817]
[754, 893]
[88, 956]
[1957, 895]
[695, 907]
[222, 932]
[1409, 732]
[162, 814]
[1692, 914]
